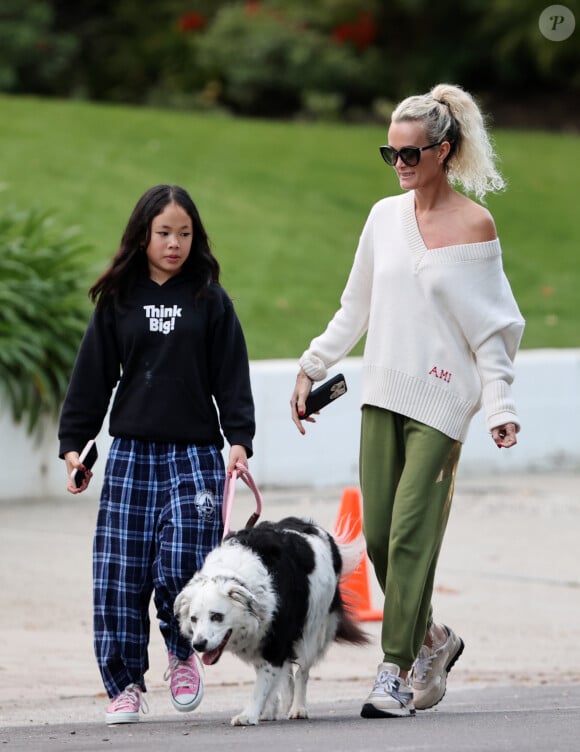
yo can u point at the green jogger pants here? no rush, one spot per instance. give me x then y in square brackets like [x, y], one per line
[407, 474]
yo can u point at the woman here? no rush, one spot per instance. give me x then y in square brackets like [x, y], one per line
[166, 334]
[442, 329]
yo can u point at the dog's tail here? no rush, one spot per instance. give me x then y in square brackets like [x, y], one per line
[351, 550]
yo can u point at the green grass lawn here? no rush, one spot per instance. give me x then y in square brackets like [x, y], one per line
[284, 204]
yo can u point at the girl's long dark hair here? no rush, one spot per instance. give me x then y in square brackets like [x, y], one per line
[130, 261]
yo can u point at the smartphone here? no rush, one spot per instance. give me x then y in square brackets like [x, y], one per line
[88, 457]
[324, 394]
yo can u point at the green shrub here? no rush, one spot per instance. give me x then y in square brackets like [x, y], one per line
[264, 61]
[42, 312]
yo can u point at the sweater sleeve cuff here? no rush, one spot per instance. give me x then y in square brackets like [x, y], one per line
[241, 439]
[499, 405]
[313, 366]
[70, 445]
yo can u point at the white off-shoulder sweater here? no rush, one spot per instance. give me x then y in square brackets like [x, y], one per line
[442, 325]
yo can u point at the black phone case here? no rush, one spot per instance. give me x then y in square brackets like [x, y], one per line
[325, 394]
[88, 457]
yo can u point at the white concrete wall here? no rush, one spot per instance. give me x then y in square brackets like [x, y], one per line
[547, 392]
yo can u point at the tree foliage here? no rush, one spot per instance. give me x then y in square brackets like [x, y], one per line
[34, 55]
[267, 56]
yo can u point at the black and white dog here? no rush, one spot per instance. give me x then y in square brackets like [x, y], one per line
[270, 595]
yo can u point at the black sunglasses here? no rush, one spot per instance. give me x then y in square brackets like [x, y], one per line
[410, 155]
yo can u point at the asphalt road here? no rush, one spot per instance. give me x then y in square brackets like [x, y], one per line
[528, 719]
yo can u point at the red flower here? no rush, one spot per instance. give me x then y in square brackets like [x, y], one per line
[191, 21]
[252, 7]
[361, 32]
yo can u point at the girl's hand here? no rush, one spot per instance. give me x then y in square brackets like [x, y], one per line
[298, 399]
[73, 462]
[237, 454]
[505, 436]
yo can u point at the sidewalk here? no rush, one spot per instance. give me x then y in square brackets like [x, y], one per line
[508, 582]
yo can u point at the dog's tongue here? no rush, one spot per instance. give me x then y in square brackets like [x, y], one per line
[211, 657]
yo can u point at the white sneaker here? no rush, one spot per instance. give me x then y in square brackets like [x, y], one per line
[429, 672]
[391, 697]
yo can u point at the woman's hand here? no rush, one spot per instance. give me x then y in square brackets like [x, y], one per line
[505, 436]
[73, 462]
[298, 400]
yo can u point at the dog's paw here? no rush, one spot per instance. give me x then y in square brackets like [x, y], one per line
[243, 719]
[269, 715]
[297, 714]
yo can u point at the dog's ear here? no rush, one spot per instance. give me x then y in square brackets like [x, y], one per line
[181, 610]
[242, 595]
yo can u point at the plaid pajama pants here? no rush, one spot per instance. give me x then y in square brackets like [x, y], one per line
[159, 517]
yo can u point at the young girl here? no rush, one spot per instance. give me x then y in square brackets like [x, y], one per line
[442, 329]
[164, 333]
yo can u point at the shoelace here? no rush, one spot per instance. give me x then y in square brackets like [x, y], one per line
[422, 665]
[130, 697]
[391, 684]
[385, 681]
[183, 674]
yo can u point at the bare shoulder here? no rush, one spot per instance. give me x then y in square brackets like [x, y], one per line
[478, 223]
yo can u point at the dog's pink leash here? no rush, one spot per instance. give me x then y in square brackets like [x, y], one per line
[240, 471]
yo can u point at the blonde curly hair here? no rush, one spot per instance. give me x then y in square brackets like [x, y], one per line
[451, 114]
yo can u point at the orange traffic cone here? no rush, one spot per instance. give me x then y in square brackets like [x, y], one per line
[354, 588]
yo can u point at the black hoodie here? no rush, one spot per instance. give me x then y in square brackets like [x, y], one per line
[175, 357]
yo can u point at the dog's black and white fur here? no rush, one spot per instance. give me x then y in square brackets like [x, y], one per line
[270, 595]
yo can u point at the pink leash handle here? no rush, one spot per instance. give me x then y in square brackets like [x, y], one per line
[240, 471]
